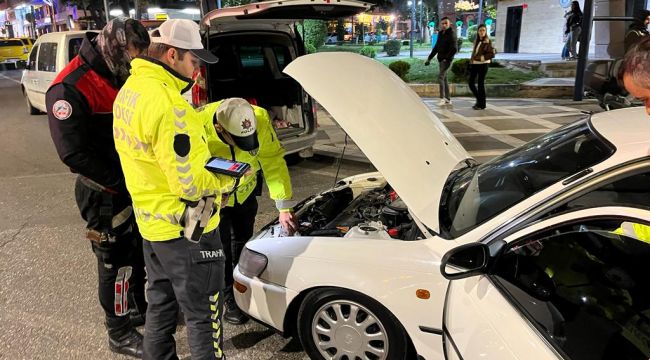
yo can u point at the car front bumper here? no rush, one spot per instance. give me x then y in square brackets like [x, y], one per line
[262, 300]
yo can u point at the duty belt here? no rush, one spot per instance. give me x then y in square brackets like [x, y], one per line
[99, 238]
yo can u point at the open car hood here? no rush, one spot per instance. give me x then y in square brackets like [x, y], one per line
[389, 122]
[287, 10]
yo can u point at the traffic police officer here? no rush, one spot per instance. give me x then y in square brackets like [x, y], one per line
[163, 149]
[234, 119]
[79, 104]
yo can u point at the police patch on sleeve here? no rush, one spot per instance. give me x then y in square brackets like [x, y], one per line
[61, 109]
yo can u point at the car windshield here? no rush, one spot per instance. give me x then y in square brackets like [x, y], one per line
[474, 194]
[4, 43]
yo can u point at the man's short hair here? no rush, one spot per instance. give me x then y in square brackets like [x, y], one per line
[636, 63]
[157, 50]
[445, 18]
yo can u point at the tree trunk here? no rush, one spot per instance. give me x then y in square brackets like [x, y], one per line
[97, 15]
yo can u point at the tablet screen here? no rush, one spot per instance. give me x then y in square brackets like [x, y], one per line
[223, 164]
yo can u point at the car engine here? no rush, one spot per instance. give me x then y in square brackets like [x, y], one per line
[377, 213]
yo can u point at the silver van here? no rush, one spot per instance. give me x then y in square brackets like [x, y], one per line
[49, 55]
[254, 43]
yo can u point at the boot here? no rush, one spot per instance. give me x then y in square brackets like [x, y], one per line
[233, 314]
[128, 344]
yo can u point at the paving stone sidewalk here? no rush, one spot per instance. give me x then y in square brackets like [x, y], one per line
[504, 125]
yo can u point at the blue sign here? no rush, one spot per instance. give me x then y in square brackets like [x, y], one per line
[565, 3]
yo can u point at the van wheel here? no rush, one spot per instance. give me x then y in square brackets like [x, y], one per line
[293, 159]
[342, 324]
[32, 110]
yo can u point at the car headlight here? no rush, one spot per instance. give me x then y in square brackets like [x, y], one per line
[252, 263]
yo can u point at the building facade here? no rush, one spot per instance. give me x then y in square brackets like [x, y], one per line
[537, 26]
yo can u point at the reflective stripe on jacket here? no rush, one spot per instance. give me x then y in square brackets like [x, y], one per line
[269, 158]
[163, 150]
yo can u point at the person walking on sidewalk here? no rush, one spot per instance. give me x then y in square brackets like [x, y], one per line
[635, 72]
[573, 29]
[482, 55]
[638, 29]
[163, 146]
[446, 47]
[266, 156]
[80, 103]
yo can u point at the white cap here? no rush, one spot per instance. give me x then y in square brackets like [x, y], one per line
[183, 34]
[237, 117]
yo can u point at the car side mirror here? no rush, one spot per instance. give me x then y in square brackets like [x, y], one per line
[465, 261]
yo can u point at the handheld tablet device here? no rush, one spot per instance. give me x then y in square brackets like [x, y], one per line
[227, 167]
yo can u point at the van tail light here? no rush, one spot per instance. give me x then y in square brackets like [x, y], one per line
[199, 90]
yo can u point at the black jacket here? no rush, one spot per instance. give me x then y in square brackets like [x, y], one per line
[637, 30]
[446, 46]
[80, 113]
[573, 20]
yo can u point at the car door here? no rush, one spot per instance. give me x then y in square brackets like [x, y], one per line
[568, 287]
[46, 70]
[28, 80]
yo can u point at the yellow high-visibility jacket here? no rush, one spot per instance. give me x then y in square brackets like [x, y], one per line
[269, 158]
[633, 230]
[163, 149]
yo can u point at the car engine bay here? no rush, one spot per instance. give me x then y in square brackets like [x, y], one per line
[375, 213]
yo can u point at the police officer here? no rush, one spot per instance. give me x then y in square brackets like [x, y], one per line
[163, 149]
[79, 104]
[235, 118]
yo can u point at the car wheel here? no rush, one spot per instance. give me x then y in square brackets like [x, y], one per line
[32, 110]
[342, 324]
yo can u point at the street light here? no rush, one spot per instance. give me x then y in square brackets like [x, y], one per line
[412, 37]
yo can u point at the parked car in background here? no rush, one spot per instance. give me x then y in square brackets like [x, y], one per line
[254, 43]
[29, 42]
[14, 52]
[539, 254]
[331, 38]
[49, 55]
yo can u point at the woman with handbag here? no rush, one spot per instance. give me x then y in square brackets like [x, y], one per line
[478, 66]
[573, 29]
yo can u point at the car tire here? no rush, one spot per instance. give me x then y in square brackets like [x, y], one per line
[31, 109]
[373, 327]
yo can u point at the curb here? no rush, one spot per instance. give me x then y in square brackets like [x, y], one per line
[498, 90]
[332, 152]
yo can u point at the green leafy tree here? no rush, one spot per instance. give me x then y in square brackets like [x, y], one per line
[490, 11]
[315, 32]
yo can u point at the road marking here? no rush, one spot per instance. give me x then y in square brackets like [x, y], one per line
[8, 78]
[36, 176]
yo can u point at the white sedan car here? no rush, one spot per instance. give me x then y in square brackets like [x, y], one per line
[541, 253]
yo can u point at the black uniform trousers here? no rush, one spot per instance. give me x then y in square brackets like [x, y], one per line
[236, 227]
[180, 272]
[120, 264]
[480, 71]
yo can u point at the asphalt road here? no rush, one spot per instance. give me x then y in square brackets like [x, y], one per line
[48, 306]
